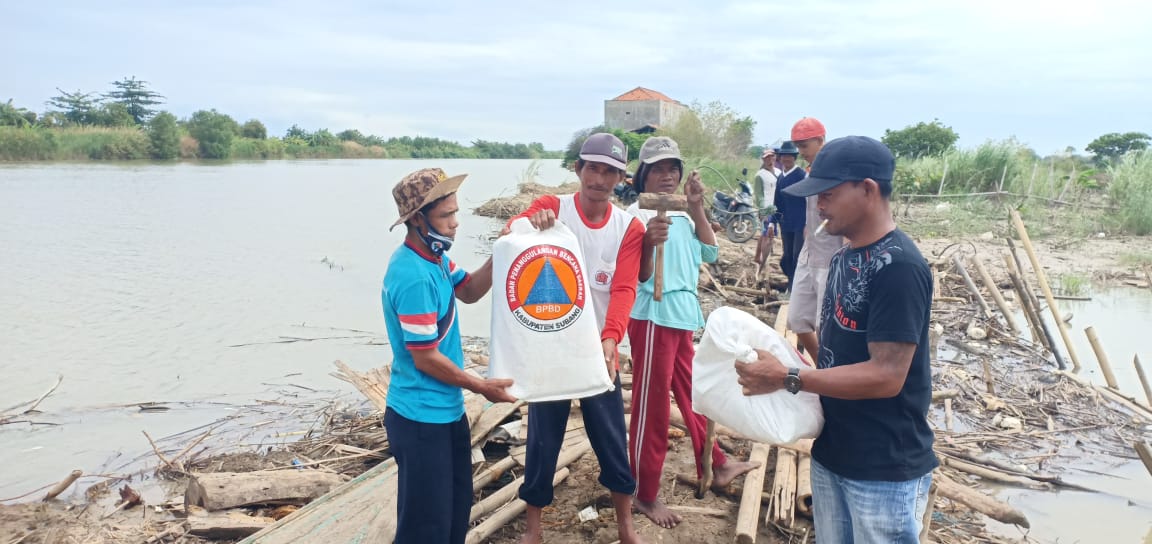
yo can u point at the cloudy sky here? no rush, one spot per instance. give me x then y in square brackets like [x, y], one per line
[1051, 73]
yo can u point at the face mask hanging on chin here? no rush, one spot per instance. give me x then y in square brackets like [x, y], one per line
[437, 243]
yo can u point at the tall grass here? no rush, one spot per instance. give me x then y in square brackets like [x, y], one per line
[98, 143]
[996, 166]
[1131, 190]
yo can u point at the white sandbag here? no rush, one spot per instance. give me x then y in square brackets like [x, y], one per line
[544, 332]
[775, 418]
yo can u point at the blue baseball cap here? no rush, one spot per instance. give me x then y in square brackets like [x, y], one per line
[851, 158]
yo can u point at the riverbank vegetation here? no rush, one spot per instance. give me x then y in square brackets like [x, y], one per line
[123, 125]
[1105, 192]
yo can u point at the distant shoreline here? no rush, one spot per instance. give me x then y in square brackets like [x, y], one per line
[101, 144]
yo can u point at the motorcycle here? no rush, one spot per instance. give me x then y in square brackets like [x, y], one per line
[737, 213]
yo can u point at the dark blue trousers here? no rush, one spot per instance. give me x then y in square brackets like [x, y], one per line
[793, 242]
[604, 423]
[434, 470]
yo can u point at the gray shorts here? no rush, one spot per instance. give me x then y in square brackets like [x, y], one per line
[807, 298]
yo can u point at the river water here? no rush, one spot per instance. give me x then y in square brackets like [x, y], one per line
[174, 283]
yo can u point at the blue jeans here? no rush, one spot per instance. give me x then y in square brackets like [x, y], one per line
[867, 512]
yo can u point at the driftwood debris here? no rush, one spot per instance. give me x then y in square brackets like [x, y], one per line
[63, 485]
[373, 384]
[229, 526]
[979, 502]
[214, 491]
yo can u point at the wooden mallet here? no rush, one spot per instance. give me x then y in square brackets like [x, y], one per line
[662, 203]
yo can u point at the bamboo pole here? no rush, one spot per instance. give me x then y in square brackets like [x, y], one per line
[948, 414]
[989, 383]
[1101, 357]
[1043, 279]
[972, 286]
[804, 478]
[1143, 378]
[490, 474]
[1145, 454]
[508, 492]
[995, 292]
[783, 507]
[1025, 302]
[747, 520]
[1032, 306]
[502, 516]
[804, 485]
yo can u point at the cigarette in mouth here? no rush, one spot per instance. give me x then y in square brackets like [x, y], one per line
[821, 227]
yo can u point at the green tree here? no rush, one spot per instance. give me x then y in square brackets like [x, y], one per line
[350, 135]
[921, 139]
[297, 133]
[164, 136]
[323, 138]
[1114, 144]
[135, 96]
[78, 108]
[11, 116]
[113, 114]
[214, 131]
[253, 129]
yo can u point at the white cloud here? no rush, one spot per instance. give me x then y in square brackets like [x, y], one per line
[1053, 73]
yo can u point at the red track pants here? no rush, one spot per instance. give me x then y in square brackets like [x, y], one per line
[661, 367]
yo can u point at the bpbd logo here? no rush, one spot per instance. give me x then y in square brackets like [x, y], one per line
[545, 288]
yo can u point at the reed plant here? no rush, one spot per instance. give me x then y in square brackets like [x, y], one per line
[1131, 191]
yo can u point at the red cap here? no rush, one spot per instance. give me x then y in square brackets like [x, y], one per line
[807, 128]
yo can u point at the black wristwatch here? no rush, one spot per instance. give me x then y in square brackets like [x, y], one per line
[792, 381]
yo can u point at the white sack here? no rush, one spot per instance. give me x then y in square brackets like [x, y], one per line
[775, 418]
[544, 332]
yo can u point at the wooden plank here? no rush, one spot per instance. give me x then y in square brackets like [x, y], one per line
[362, 510]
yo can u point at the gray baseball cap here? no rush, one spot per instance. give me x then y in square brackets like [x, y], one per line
[606, 148]
[658, 148]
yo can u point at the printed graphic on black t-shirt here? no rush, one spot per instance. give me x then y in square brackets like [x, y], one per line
[849, 279]
[878, 293]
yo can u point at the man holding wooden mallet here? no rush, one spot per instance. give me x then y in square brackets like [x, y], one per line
[664, 317]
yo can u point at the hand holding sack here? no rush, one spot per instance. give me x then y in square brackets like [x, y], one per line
[731, 335]
[544, 332]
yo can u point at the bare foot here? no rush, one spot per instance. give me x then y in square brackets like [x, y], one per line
[657, 512]
[724, 474]
[630, 537]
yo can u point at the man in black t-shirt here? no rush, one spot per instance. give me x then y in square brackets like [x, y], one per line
[873, 461]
